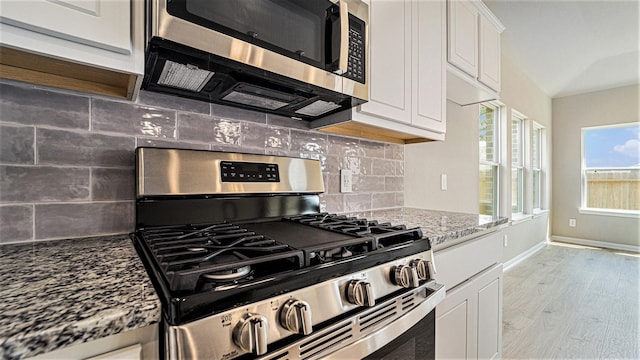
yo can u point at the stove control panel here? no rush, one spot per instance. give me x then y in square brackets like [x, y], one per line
[237, 171]
[250, 328]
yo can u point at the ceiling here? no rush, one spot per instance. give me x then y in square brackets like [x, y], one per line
[572, 47]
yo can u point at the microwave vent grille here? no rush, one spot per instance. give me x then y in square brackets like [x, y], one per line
[188, 77]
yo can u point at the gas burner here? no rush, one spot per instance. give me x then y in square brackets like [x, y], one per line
[229, 275]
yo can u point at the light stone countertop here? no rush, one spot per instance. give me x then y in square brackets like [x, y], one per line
[60, 293]
[442, 228]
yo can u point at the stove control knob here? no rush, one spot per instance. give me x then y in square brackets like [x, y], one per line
[405, 276]
[251, 333]
[360, 293]
[422, 268]
[295, 316]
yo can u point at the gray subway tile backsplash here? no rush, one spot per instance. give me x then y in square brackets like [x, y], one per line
[343, 146]
[77, 220]
[173, 102]
[369, 184]
[69, 159]
[357, 202]
[131, 119]
[383, 200]
[28, 105]
[112, 184]
[16, 223]
[308, 142]
[394, 152]
[63, 147]
[372, 149]
[162, 143]
[195, 127]
[232, 113]
[17, 144]
[43, 183]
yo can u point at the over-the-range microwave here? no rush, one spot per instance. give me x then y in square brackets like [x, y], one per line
[298, 58]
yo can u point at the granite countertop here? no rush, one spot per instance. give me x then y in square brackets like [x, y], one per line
[59, 293]
[442, 228]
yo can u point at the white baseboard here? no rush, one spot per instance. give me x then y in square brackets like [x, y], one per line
[520, 258]
[600, 244]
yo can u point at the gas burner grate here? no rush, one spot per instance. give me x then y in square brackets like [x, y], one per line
[384, 234]
[192, 255]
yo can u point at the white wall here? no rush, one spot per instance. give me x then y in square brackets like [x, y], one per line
[570, 115]
[457, 157]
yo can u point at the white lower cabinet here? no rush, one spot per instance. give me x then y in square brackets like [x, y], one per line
[469, 319]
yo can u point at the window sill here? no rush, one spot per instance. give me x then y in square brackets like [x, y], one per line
[518, 218]
[540, 212]
[610, 212]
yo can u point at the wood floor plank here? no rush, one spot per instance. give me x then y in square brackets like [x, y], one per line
[572, 303]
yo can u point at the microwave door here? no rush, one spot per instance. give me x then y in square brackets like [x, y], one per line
[294, 28]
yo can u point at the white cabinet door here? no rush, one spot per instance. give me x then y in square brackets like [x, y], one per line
[453, 326]
[104, 24]
[390, 61]
[469, 319]
[490, 315]
[489, 73]
[463, 36]
[429, 65]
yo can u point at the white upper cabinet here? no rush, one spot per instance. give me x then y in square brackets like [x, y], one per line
[390, 60]
[85, 45]
[100, 23]
[408, 71]
[489, 72]
[429, 66]
[473, 52]
[463, 36]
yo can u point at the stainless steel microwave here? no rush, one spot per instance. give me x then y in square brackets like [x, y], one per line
[298, 58]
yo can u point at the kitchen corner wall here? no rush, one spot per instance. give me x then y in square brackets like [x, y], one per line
[67, 160]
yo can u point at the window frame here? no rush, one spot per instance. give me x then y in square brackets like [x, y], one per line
[584, 209]
[537, 167]
[495, 163]
[519, 166]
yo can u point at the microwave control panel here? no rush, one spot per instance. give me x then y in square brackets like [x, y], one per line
[357, 50]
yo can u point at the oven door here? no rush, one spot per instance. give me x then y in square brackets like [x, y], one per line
[394, 341]
[379, 332]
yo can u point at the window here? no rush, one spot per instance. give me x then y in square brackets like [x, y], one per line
[517, 164]
[489, 163]
[611, 168]
[536, 166]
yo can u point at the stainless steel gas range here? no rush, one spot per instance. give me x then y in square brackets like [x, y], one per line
[247, 266]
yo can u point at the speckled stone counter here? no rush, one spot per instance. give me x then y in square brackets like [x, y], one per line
[442, 228]
[58, 293]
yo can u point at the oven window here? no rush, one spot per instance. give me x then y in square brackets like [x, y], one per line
[294, 28]
[417, 343]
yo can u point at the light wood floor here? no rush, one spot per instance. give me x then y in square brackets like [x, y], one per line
[568, 302]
